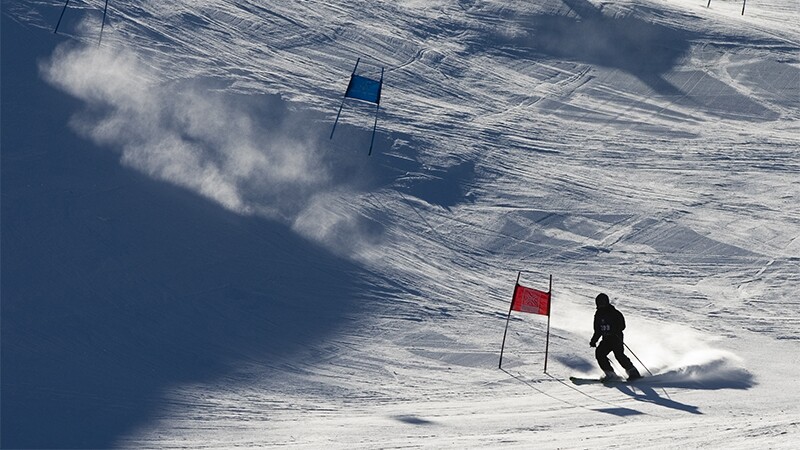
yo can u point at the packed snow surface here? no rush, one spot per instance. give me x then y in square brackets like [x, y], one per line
[189, 261]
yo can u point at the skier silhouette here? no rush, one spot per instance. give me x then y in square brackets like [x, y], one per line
[609, 324]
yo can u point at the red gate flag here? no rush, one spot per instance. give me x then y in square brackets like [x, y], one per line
[531, 300]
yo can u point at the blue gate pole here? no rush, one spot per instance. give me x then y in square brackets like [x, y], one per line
[344, 98]
[61, 17]
[103, 23]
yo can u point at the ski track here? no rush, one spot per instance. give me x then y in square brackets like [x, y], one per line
[676, 192]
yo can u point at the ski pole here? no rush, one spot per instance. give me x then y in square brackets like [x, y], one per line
[645, 367]
[637, 358]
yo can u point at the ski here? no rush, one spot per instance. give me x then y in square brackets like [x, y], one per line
[611, 382]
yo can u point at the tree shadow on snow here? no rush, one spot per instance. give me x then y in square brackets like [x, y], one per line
[644, 49]
[620, 412]
[413, 420]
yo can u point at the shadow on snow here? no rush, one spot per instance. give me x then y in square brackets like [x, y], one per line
[638, 46]
[644, 49]
[116, 287]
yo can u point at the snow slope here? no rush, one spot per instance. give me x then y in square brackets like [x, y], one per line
[189, 261]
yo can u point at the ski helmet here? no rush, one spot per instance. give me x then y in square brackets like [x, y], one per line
[601, 300]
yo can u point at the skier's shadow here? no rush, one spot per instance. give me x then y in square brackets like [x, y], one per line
[650, 395]
[711, 375]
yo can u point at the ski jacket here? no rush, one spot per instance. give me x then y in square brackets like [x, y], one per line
[608, 322]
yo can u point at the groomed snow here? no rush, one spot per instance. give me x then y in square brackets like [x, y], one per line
[188, 261]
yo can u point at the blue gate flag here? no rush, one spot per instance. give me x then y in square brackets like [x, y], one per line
[364, 89]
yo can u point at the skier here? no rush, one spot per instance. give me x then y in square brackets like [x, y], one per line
[608, 324]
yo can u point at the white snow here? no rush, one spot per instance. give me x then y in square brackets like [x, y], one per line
[190, 262]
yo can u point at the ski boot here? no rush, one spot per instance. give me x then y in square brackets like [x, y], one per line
[610, 376]
[633, 374]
